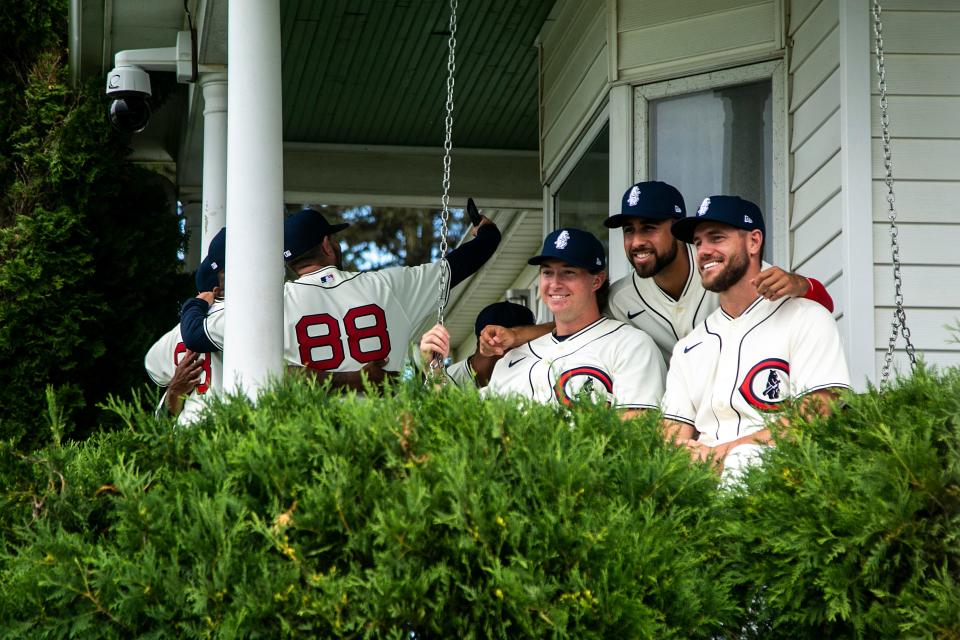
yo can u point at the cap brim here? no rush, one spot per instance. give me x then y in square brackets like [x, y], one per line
[337, 228]
[592, 268]
[683, 229]
[618, 220]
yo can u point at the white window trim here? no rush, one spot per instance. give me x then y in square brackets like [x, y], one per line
[775, 71]
[553, 183]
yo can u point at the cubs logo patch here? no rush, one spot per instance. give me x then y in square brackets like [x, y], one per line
[591, 382]
[704, 207]
[767, 384]
[634, 197]
[562, 240]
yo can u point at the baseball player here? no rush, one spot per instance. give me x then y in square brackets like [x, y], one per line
[339, 323]
[586, 354]
[476, 369]
[190, 377]
[664, 296]
[751, 353]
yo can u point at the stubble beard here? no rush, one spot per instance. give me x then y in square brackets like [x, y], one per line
[661, 263]
[730, 274]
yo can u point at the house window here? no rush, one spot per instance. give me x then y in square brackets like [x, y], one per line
[718, 134]
[581, 201]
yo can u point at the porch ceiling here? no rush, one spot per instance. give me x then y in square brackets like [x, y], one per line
[358, 72]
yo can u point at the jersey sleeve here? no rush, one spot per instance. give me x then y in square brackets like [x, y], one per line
[819, 294]
[416, 288]
[159, 361]
[817, 360]
[638, 381]
[677, 401]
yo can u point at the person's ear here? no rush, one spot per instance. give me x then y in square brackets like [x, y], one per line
[598, 279]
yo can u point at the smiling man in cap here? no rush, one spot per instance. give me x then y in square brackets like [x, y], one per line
[751, 354]
[586, 353]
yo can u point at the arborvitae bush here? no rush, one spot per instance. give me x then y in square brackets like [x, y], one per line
[852, 527]
[88, 243]
[441, 515]
[438, 514]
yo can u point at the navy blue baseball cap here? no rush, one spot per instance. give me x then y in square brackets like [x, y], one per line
[206, 275]
[503, 314]
[304, 230]
[574, 246]
[650, 201]
[731, 210]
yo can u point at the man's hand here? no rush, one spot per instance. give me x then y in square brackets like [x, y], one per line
[496, 340]
[483, 220]
[207, 296]
[775, 283]
[185, 379]
[435, 342]
[700, 452]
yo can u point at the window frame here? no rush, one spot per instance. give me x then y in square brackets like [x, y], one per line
[775, 72]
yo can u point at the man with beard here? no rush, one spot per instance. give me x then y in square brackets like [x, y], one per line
[664, 296]
[751, 354]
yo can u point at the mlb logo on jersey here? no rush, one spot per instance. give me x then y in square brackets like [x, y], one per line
[584, 382]
[767, 384]
[326, 279]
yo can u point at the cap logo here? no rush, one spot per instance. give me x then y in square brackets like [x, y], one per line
[599, 262]
[214, 266]
[562, 240]
[703, 206]
[677, 209]
[748, 219]
[634, 197]
[287, 253]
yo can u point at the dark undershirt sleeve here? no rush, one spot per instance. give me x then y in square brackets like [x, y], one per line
[467, 259]
[192, 315]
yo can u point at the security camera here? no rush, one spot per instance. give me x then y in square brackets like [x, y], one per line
[129, 86]
[128, 83]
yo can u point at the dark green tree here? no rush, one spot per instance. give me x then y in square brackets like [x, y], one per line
[88, 244]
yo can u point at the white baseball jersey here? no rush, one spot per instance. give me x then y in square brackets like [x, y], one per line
[166, 353]
[462, 374]
[642, 303]
[729, 372]
[608, 359]
[341, 320]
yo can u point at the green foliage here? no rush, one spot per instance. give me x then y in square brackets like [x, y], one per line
[444, 515]
[88, 268]
[852, 527]
[438, 514]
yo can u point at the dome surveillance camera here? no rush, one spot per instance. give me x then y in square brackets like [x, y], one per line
[129, 88]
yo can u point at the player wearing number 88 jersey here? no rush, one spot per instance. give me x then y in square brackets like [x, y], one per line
[343, 321]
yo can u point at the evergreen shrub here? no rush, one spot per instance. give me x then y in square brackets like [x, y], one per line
[851, 529]
[419, 514]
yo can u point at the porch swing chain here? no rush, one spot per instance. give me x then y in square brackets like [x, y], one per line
[447, 145]
[899, 324]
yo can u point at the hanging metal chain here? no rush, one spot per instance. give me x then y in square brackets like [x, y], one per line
[899, 324]
[447, 146]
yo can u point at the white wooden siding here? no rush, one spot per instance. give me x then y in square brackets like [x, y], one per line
[923, 87]
[574, 75]
[815, 182]
[659, 39]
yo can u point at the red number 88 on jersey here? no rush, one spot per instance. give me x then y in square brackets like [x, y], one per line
[320, 337]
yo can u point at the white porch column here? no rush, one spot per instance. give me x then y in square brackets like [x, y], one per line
[195, 250]
[214, 86]
[253, 338]
[857, 191]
